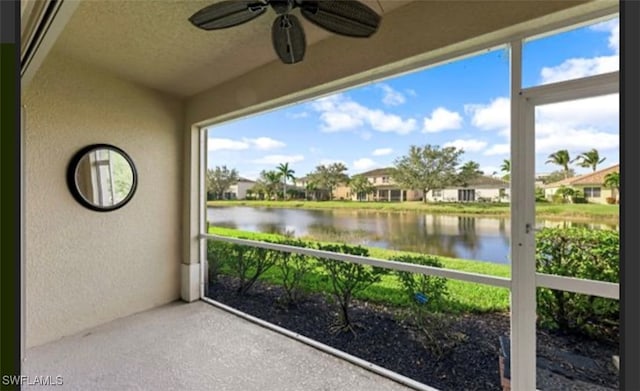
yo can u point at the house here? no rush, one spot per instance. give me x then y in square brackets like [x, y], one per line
[481, 189]
[385, 188]
[238, 191]
[122, 292]
[591, 185]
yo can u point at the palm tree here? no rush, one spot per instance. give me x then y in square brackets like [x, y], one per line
[506, 168]
[612, 181]
[270, 181]
[285, 173]
[561, 158]
[589, 159]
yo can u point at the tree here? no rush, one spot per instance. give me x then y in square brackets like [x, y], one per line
[328, 177]
[427, 168]
[556, 176]
[589, 159]
[469, 171]
[612, 181]
[267, 183]
[361, 185]
[506, 168]
[561, 158]
[219, 179]
[285, 173]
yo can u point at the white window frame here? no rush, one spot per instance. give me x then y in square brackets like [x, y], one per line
[524, 279]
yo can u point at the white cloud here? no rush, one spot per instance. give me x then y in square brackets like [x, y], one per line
[225, 144]
[277, 159]
[600, 111]
[260, 143]
[574, 68]
[382, 151]
[493, 116]
[442, 119]
[469, 145]
[391, 96]
[551, 137]
[363, 164]
[314, 150]
[265, 143]
[498, 149]
[340, 113]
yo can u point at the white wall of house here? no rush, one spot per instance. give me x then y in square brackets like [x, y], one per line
[451, 195]
[239, 190]
[84, 268]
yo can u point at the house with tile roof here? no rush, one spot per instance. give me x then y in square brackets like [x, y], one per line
[385, 188]
[591, 185]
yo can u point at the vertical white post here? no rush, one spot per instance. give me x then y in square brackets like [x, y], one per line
[523, 288]
[202, 211]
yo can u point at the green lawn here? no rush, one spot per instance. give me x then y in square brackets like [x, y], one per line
[543, 210]
[463, 296]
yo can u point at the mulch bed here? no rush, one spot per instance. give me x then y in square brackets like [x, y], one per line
[466, 355]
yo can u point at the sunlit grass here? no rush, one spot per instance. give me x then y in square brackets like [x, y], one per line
[463, 296]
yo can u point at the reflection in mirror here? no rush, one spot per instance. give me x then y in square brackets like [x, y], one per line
[103, 177]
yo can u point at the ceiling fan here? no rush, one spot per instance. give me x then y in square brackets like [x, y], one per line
[345, 17]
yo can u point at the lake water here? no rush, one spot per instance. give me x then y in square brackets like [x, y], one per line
[466, 237]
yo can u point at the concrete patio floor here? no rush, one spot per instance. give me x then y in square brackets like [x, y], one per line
[193, 347]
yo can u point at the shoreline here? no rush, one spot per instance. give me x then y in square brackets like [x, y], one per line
[596, 213]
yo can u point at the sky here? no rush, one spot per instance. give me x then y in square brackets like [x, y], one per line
[463, 103]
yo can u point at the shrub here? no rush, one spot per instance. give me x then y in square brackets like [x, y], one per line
[217, 254]
[611, 200]
[580, 253]
[425, 293]
[347, 279]
[433, 288]
[293, 268]
[246, 263]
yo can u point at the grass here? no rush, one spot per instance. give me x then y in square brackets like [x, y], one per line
[543, 209]
[463, 296]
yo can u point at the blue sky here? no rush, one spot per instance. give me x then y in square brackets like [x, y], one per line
[463, 103]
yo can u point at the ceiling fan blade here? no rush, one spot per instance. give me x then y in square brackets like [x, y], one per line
[227, 13]
[344, 17]
[288, 39]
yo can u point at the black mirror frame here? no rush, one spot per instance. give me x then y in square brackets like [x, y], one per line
[71, 177]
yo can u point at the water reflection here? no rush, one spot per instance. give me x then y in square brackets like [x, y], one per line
[466, 237]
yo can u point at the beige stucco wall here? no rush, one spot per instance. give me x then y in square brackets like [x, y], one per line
[84, 268]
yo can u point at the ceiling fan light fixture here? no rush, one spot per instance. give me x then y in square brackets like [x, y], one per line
[344, 17]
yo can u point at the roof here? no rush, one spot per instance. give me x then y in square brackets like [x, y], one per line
[377, 172]
[483, 181]
[592, 178]
[241, 179]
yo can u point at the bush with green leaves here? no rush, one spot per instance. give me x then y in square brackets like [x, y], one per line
[347, 279]
[432, 288]
[579, 253]
[246, 263]
[294, 267]
[425, 294]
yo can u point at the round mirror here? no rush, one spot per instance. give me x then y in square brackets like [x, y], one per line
[102, 177]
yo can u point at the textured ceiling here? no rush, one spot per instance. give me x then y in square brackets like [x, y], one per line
[154, 44]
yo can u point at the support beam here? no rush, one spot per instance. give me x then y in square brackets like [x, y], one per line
[523, 272]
